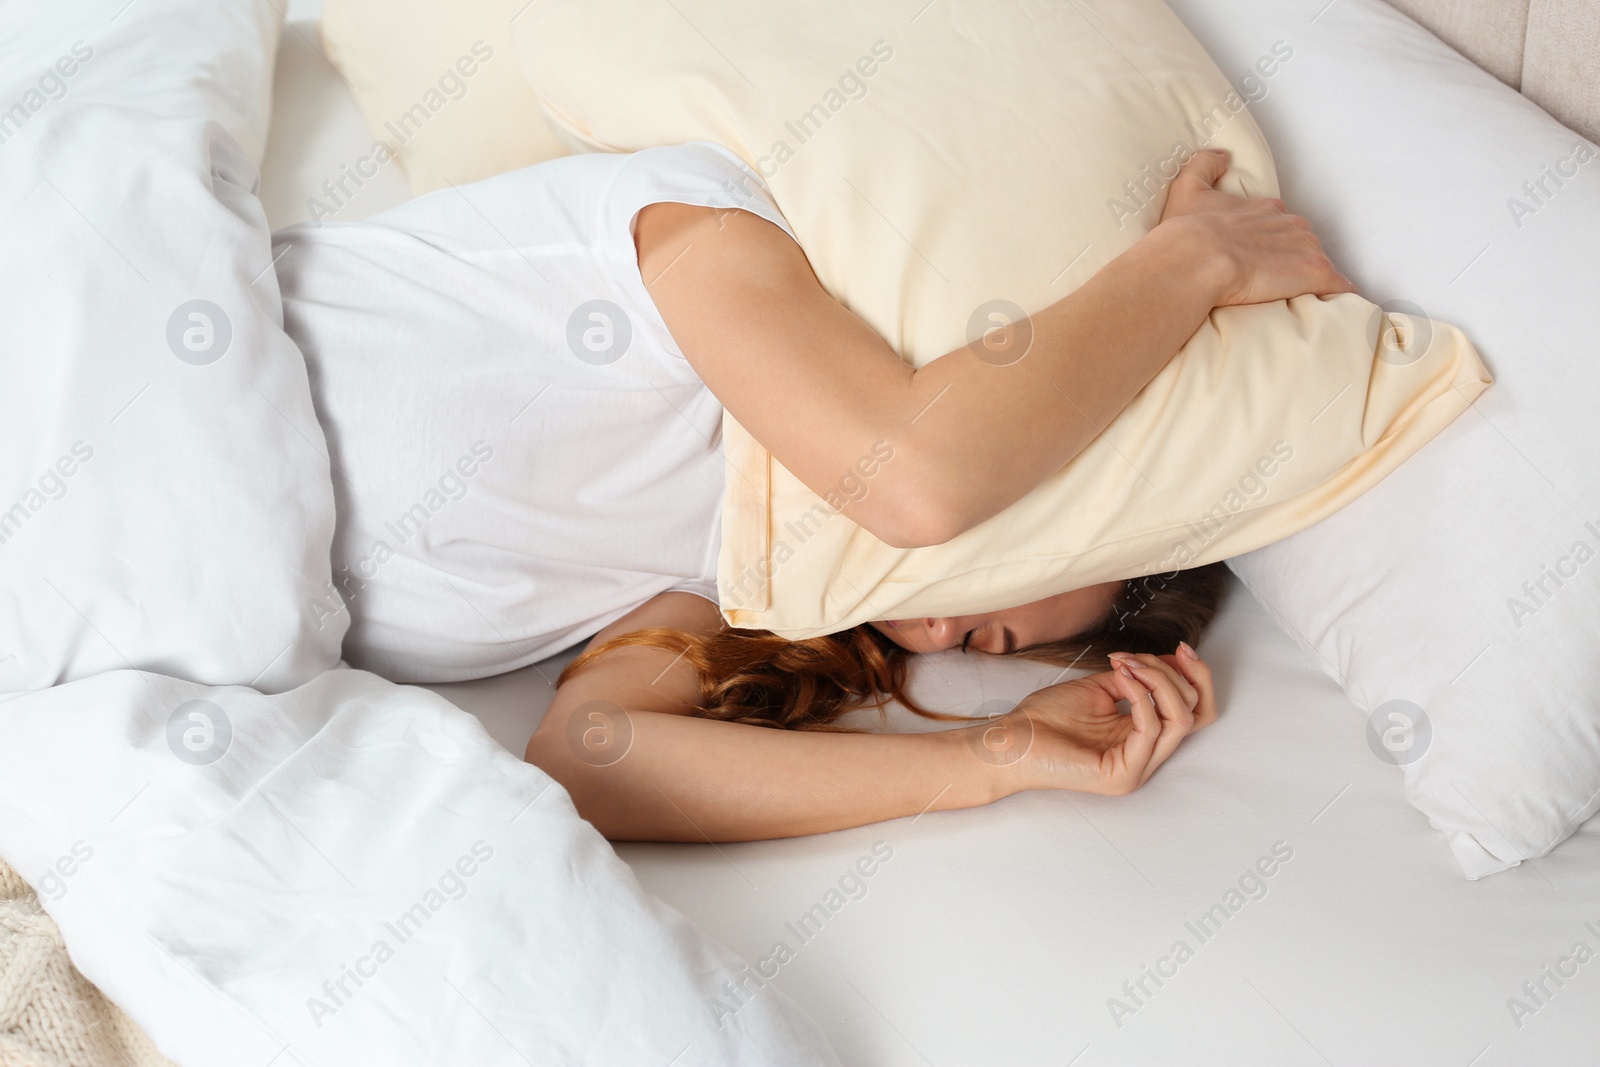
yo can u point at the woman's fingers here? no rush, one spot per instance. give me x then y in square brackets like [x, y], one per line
[1139, 748]
[1177, 720]
[1162, 669]
[1195, 183]
[1208, 166]
[1160, 723]
[1198, 673]
[1170, 697]
[1319, 274]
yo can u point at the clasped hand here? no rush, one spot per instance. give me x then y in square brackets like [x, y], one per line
[1260, 251]
[1074, 735]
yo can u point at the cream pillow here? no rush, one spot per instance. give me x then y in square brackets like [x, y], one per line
[438, 87]
[969, 160]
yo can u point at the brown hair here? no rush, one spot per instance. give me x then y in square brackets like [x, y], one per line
[759, 678]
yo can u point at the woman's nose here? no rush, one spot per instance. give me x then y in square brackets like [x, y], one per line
[942, 633]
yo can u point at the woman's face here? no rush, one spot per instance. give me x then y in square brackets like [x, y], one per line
[1055, 618]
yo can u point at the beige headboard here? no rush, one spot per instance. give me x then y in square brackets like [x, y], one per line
[1547, 49]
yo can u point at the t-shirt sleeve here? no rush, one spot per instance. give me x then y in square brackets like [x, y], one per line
[700, 587]
[700, 172]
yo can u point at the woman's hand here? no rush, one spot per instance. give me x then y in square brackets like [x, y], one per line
[1264, 253]
[1073, 736]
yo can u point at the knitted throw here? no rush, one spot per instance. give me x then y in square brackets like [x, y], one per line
[50, 1015]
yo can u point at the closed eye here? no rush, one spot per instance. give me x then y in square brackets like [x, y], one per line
[1008, 642]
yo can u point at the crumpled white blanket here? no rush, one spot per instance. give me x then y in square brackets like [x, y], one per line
[353, 872]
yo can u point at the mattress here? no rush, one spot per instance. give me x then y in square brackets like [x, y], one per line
[1269, 896]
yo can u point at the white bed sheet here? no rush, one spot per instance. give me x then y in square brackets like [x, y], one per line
[1000, 935]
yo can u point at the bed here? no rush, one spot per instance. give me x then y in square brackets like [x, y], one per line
[1064, 929]
[1268, 898]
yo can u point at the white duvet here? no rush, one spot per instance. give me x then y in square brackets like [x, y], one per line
[262, 856]
[351, 873]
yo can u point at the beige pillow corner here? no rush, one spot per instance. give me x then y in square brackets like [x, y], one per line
[438, 85]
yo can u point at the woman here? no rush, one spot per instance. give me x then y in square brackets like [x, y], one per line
[722, 310]
[729, 284]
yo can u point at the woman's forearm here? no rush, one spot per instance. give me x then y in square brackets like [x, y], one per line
[691, 779]
[822, 391]
[991, 429]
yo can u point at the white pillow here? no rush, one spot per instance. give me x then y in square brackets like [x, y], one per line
[165, 500]
[179, 58]
[1424, 173]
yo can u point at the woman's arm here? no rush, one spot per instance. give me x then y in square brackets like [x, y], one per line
[818, 387]
[638, 766]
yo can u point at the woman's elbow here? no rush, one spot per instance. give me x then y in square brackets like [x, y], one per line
[541, 754]
[547, 751]
[916, 519]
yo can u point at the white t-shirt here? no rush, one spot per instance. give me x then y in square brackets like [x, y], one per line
[520, 452]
